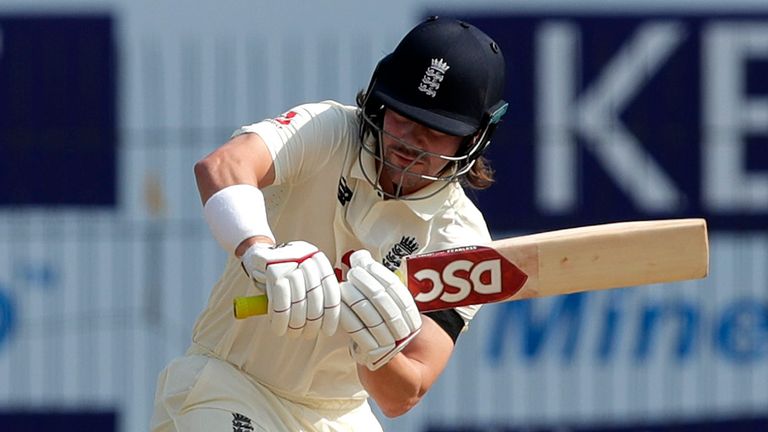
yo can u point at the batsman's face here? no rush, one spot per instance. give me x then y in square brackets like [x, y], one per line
[411, 150]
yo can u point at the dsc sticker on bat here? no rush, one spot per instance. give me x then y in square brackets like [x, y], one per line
[462, 276]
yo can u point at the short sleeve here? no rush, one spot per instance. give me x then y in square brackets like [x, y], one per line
[303, 139]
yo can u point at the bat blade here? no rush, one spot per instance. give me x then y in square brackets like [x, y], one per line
[558, 262]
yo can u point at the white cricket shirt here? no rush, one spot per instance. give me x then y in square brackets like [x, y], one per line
[321, 196]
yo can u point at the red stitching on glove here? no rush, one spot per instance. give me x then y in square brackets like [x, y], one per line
[296, 260]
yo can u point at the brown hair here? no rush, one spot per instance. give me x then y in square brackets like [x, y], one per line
[479, 177]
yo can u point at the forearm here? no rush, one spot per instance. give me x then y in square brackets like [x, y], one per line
[397, 386]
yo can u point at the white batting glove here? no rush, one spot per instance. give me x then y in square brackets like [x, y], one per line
[378, 312]
[304, 294]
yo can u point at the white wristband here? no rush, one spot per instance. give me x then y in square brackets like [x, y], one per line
[236, 213]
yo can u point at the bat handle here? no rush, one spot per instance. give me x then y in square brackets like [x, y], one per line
[248, 306]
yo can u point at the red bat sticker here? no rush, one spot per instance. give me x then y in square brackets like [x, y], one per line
[462, 276]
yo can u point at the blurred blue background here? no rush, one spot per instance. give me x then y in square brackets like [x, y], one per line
[619, 110]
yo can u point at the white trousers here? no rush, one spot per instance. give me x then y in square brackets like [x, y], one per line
[205, 394]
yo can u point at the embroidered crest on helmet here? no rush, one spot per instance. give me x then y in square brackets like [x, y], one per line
[434, 75]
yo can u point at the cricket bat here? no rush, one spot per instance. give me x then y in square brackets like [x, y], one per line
[566, 261]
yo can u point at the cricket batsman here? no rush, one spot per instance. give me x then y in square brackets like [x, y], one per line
[326, 193]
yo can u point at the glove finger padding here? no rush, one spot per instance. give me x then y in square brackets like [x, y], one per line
[331, 295]
[279, 312]
[299, 288]
[313, 283]
[351, 324]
